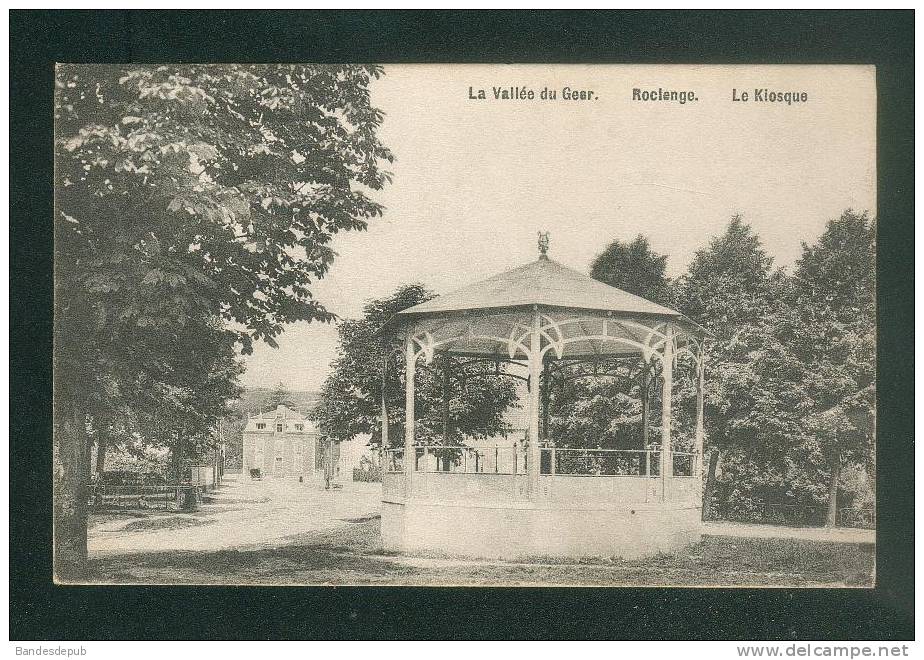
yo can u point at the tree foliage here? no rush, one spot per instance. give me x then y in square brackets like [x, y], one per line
[194, 209]
[217, 188]
[280, 396]
[635, 268]
[832, 336]
[729, 289]
[598, 410]
[790, 388]
[816, 370]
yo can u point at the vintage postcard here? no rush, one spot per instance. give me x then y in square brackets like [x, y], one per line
[493, 325]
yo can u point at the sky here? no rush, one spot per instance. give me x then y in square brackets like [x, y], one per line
[475, 180]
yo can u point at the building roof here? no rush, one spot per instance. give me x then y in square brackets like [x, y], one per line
[281, 412]
[545, 283]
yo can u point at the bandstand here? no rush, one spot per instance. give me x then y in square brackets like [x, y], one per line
[533, 498]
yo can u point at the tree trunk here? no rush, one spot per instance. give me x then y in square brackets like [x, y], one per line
[177, 467]
[88, 447]
[709, 490]
[72, 473]
[101, 446]
[832, 490]
[328, 463]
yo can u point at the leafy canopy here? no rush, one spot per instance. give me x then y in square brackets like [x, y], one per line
[790, 386]
[633, 267]
[212, 187]
[195, 206]
[729, 289]
[833, 301]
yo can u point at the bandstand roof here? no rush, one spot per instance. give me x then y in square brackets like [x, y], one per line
[578, 317]
[544, 283]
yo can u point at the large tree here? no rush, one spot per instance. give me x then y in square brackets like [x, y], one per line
[729, 288]
[832, 336]
[351, 397]
[186, 196]
[760, 406]
[790, 393]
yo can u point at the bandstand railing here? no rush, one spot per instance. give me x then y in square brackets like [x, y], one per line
[684, 463]
[566, 461]
[393, 460]
[613, 462]
[600, 462]
[499, 459]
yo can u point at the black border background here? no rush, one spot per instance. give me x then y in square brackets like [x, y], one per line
[39, 610]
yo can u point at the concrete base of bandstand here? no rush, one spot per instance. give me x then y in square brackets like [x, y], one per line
[525, 529]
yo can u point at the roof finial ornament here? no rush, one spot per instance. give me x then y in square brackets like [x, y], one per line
[543, 245]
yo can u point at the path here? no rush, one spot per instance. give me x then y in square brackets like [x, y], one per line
[752, 531]
[242, 514]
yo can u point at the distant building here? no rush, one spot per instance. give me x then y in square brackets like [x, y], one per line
[284, 444]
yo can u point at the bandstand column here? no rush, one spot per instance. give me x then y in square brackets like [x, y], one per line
[535, 370]
[546, 377]
[409, 452]
[385, 445]
[646, 404]
[546, 387]
[667, 372]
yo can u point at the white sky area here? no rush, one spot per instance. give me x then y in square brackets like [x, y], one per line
[474, 181]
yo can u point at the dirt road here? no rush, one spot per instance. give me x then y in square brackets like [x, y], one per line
[242, 514]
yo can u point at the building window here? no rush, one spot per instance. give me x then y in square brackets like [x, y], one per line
[299, 427]
[279, 428]
[260, 427]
